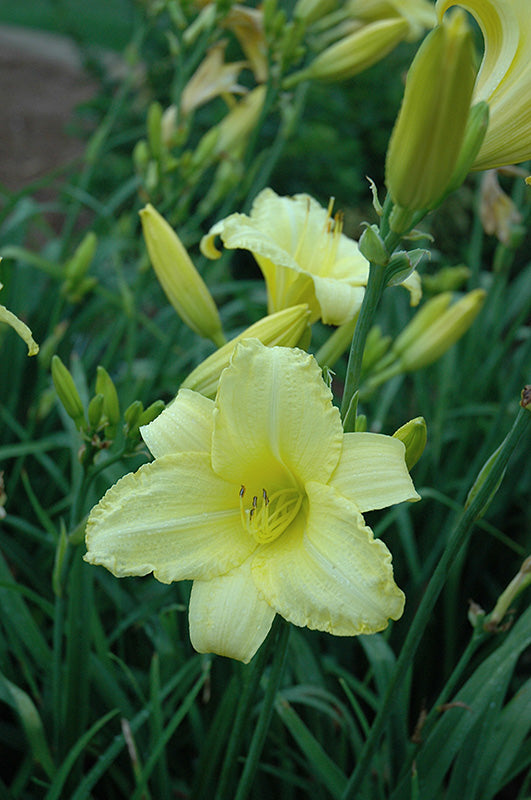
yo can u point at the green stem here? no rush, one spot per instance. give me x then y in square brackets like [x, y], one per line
[371, 298]
[264, 720]
[253, 674]
[458, 538]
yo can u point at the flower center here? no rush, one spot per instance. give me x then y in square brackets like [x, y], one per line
[321, 246]
[269, 516]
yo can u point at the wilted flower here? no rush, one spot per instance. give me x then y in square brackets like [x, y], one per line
[258, 498]
[20, 327]
[212, 78]
[248, 26]
[302, 252]
[498, 212]
[504, 79]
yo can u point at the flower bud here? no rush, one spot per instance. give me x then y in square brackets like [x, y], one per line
[283, 328]
[440, 334]
[234, 131]
[182, 284]
[520, 582]
[95, 411]
[480, 480]
[151, 412]
[372, 246]
[428, 134]
[414, 436]
[354, 53]
[311, 10]
[67, 392]
[111, 404]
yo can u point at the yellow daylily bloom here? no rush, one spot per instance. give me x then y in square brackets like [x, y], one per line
[504, 79]
[20, 327]
[302, 252]
[258, 498]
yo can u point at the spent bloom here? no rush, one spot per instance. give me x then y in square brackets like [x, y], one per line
[212, 78]
[504, 78]
[20, 327]
[303, 255]
[257, 496]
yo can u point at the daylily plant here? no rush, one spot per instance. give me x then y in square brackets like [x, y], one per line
[504, 79]
[258, 498]
[303, 255]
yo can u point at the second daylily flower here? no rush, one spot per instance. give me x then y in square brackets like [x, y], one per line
[258, 498]
[303, 255]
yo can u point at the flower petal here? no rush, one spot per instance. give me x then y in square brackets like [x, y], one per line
[331, 574]
[228, 616]
[184, 426]
[274, 419]
[339, 301]
[372, 471]
[173, 517]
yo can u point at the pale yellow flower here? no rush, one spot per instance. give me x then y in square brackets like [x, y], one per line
[20, 327]
[504, 79]
[302, 252]
[258, 498]
[212, 78]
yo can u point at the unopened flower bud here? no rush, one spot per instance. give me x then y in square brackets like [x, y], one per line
[372, 246]
[480, 480]
[520, 582]
[414, 436]
[441, 334]
[111, 404]
[283, 328]
[67, 392]
[354, 53]
[235, 129]
[430, 128]
[151, 412]
[182, 284]
[95, 411]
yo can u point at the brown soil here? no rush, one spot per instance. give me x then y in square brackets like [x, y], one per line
[41, 82]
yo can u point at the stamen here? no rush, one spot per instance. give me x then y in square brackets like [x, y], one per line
[267, 521]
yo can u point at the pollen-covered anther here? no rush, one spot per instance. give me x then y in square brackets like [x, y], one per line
[269, 516]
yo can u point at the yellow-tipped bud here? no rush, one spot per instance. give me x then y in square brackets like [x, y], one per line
[182, 284]
[414, 436]
[354, 53]
[440, 334]
[520, 582]
[67, 392]
[283, 328]
[430, 128]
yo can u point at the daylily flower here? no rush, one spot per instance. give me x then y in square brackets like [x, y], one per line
[504, 79]
[303, 255]
[258, 498]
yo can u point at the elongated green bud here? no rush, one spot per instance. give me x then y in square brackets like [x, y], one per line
[182, 284]
[441, 334]
[480, 480]
[78, 265]
[95, 411]
[429, 132]
[520, 582]
[151, 412]
[132, 414]
[354, 53]
[414, 435]
[283, 328]
[67, 392]
[430, 312]
[111, 404]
